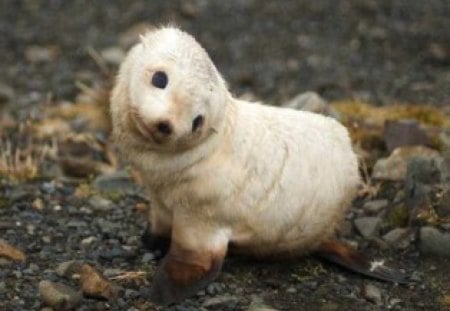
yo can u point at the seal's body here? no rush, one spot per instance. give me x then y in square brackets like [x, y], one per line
[223, 172]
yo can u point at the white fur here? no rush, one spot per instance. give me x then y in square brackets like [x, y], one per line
[272, 180]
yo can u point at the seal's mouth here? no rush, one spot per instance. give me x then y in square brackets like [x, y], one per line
[139, 127]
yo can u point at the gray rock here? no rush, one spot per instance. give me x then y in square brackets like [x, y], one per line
[214, 288]
[68, 268]
[119, 181]
[375, 206]
[311, 101]
[404, 133]
[434, 242]
[367, 226]
[225, 300]
[291, 290]
[113, 55]
[59, 296]
[256, 307]
[394, 167]
[6, 93]
[100, 204]
[398, 237]
[372, 294]
[148, 257]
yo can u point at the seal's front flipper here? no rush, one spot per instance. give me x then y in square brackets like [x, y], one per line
[345, 255]
[195, 258]
[183, 273]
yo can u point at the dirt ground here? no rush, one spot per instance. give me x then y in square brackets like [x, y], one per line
[382, 52]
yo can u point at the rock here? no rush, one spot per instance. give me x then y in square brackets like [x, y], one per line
[311, 101]
[404, 133]
[394, 167]
[434, 242]
[367, 226]
[6, 93]
[41, 54]
[372, 294]
[93, 284]
[68, 268]
[214, 288]
[398, 237]
[189, 9]
[225, 300]
[101, 204]
[291, 290]
[59, 296]
[256, 307]
[375, 206]
[113, 55]
[10, 252]
[119, 181]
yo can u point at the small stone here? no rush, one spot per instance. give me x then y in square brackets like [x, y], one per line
[113, 55]
[404, 133]
[68, 268]
[38, 204]
[119, 181]
[367, 226]
[59, 296]
[41, 54]
[217, 301]
[6, 93]
[189, 9]
[311, 101]
[99, 203]
[394, 167]
[10, 252]
[432, 241]
[214, 288]
[396, 237]
[255, 306]
[148, 257]
[291, 290]
[88, 241]
[375, 206]
[93, 284]
[372, 294]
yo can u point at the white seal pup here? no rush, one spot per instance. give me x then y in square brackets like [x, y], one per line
[222, 173]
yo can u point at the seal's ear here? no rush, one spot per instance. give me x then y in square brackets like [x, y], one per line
[184, 272]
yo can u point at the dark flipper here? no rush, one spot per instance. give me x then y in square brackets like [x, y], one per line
[183, 273]
[344, 255]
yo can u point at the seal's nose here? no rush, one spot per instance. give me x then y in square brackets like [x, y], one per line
[163, 128]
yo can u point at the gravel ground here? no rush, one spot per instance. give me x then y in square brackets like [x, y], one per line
[383, 52]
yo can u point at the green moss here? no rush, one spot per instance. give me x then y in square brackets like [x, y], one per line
[398, 216]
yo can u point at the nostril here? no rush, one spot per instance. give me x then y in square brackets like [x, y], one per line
[164, 128]
[197, 123]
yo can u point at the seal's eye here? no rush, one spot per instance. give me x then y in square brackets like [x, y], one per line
[159, 79]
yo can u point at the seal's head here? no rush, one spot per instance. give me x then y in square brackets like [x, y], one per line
[168, 94]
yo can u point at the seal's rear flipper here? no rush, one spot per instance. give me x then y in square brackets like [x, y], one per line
[345, 255]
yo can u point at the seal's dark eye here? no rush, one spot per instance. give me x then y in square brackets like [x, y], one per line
[159, 79]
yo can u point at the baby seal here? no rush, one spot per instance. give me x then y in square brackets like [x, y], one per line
[224, 174]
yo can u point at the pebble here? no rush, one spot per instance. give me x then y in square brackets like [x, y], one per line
[367, 226]
[119, 181]
[291, 290]
[311, 101]
[100, 204]
[225, 300]
[41, 54]
[394, 167]
[214, 288]
[432, 241]
[59, 296]
[375, 206]
[10, 252]
[113, 55]
[88, 241]
[93, 284]
[372, 294]
[6, 93]
[397, 237]
[68, 268]
[148, 257]
[257, 307]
